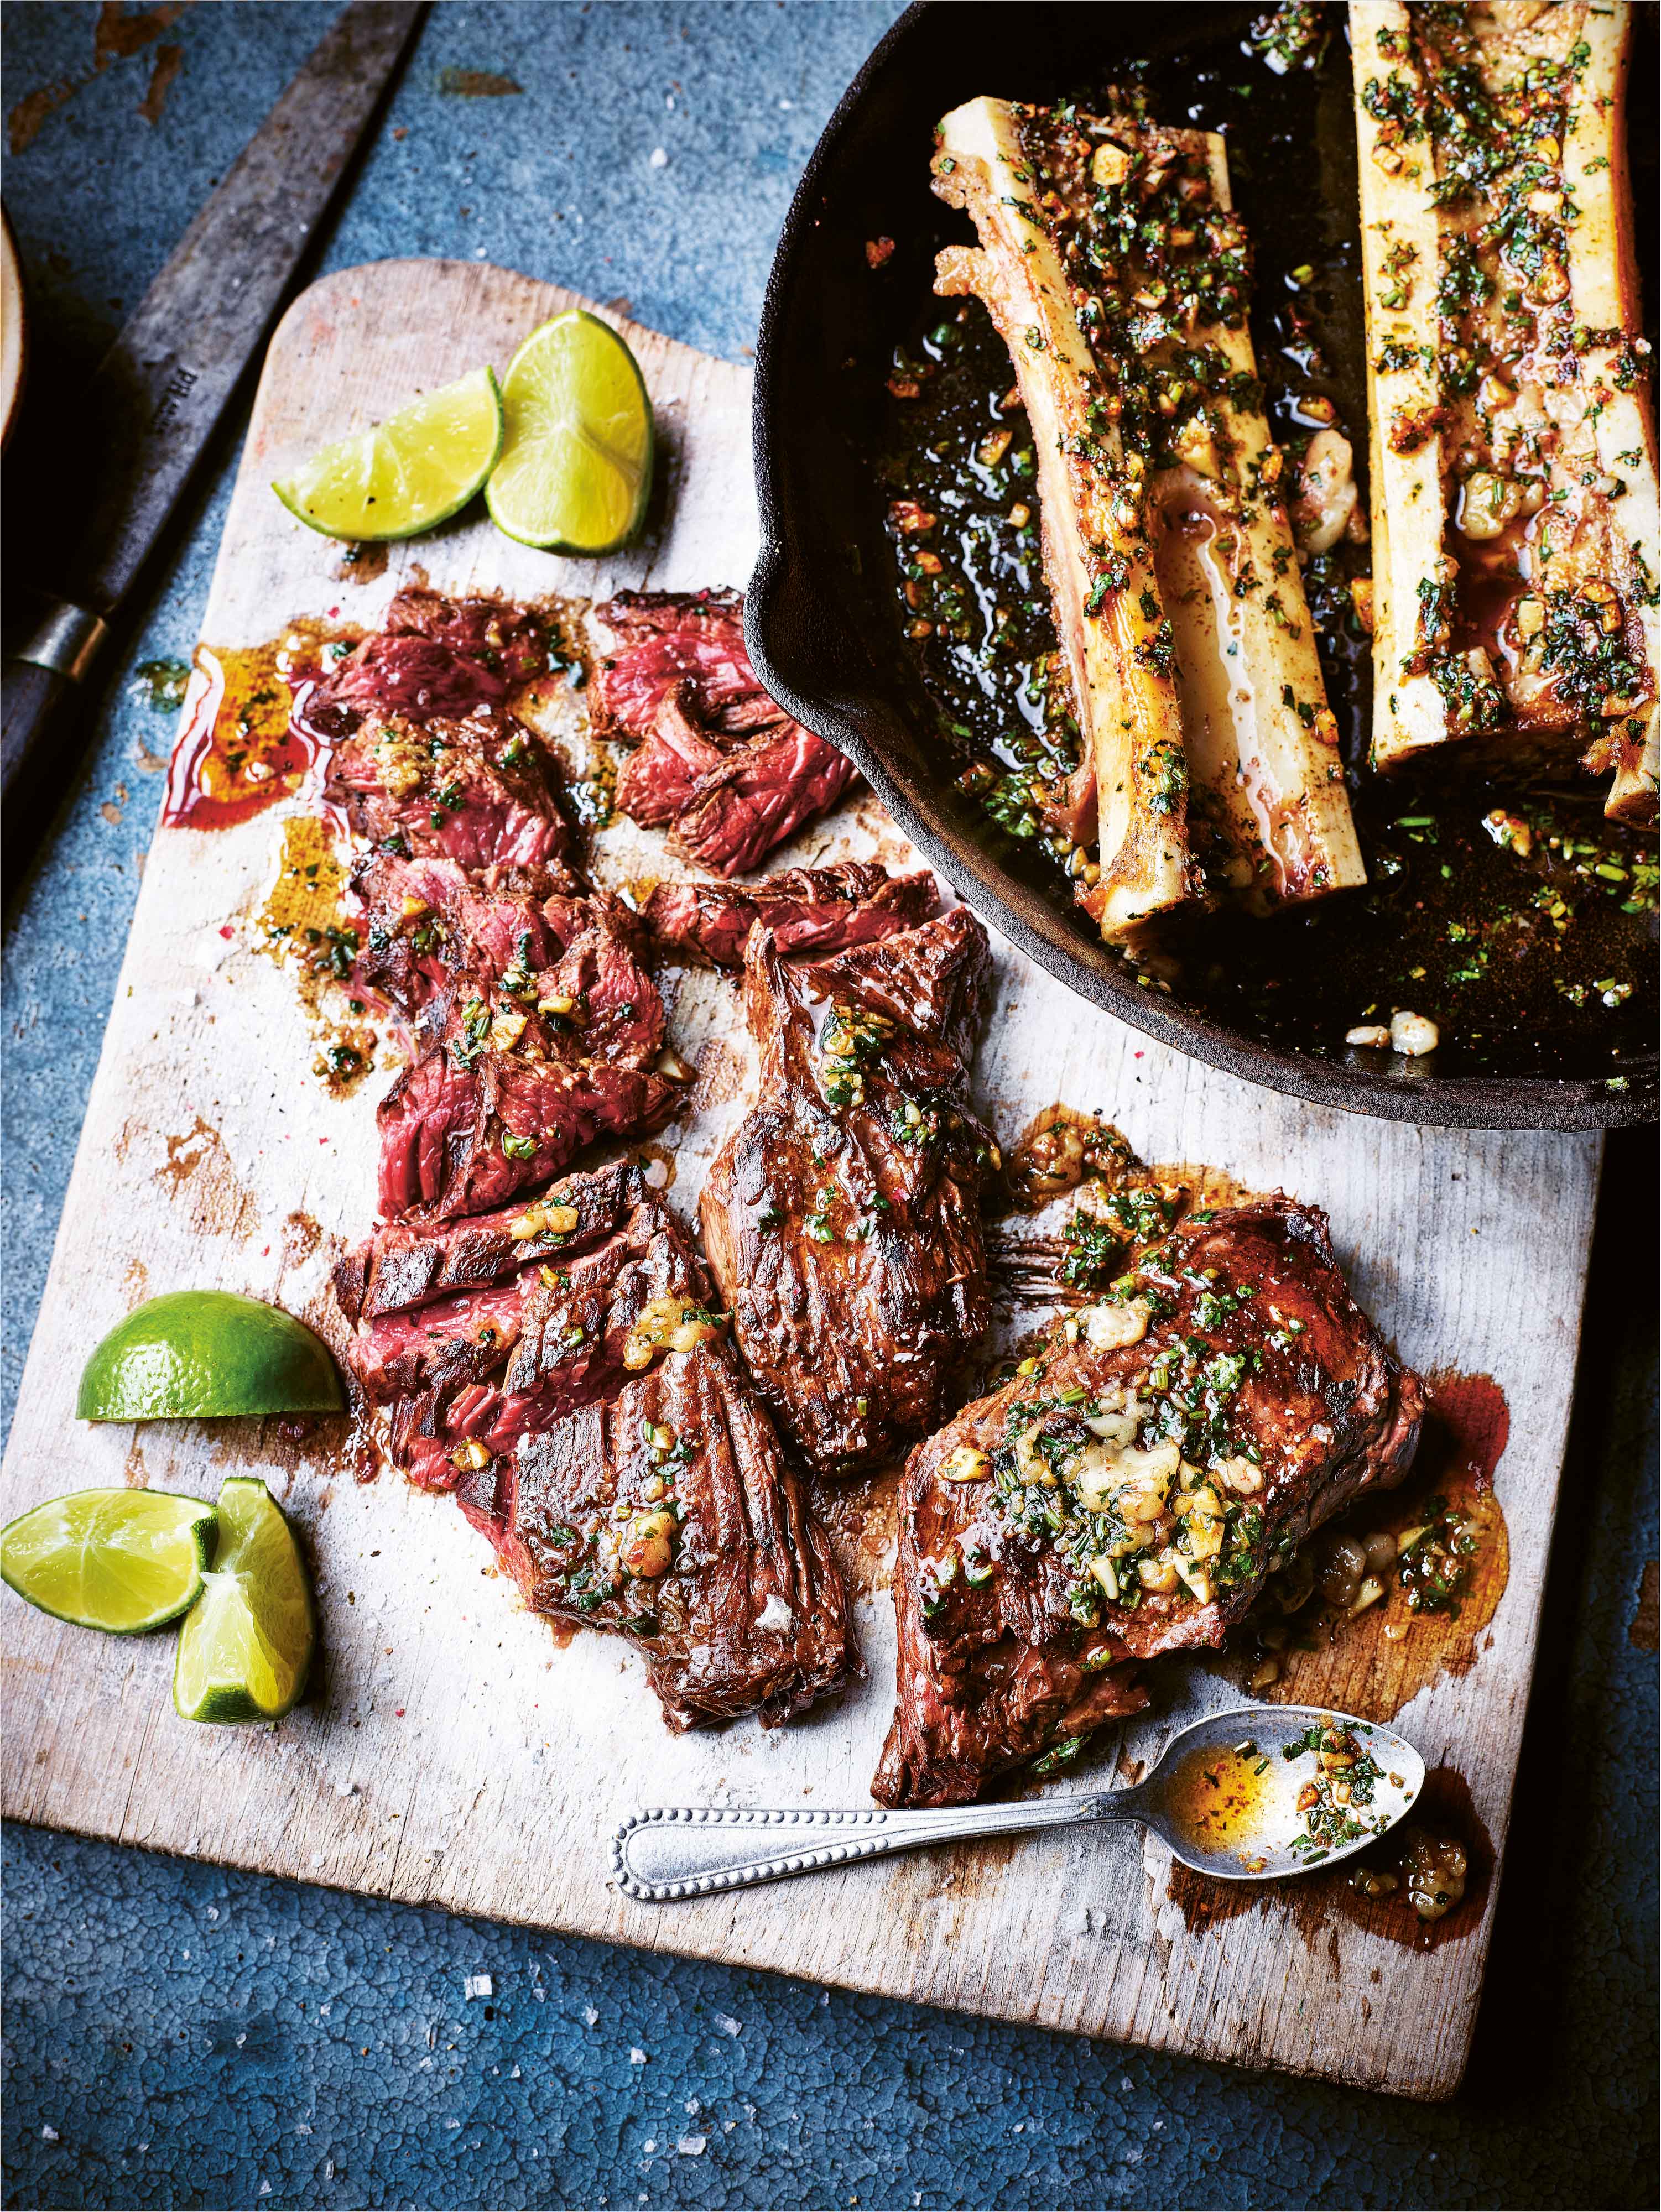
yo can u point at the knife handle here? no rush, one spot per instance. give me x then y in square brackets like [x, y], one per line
[30, 696]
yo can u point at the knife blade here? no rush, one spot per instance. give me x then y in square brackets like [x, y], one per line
[157, 396]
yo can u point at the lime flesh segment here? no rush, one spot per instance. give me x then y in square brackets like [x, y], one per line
[195, 1354]
[243, 1651]
[406, 474]
[575, 470]
[125, 1560]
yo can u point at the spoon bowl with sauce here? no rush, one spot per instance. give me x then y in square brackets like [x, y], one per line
[1250, 1795]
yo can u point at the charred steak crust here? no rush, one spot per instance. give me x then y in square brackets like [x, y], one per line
[1169, 1448]
[728, 772]
[409, 1263]
[842, 1216]
[658, 1505]
[487, 1367]
[808, 910]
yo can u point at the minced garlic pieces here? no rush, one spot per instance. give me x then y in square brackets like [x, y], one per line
[667, 1324]
[1108, 1326]
[544, 1220]
[1413, 1034]
[966, 1464]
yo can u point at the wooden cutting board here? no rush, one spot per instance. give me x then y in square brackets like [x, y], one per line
[454, 1753]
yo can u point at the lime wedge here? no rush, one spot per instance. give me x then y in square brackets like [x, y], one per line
[575, 470]
[406, 474]
[121, 1559]
[203, 1353]
[243, 1651]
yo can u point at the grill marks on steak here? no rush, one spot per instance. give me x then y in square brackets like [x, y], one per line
[502, 1358]
[805, 909]
[1249, 1376]
[409, 1263]
[717, 764]
[842, 1217]
[652, 1502]
[751, 1616]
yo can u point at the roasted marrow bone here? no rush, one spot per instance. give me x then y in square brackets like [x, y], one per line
[1111, 261]
[1517, 544]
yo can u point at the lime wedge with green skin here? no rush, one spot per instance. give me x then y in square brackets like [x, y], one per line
[575, 470]
[197, 1354]
[406, 474]
[245, 1648]
[125, 1560]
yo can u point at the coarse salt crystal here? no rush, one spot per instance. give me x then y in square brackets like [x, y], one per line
[659, 159]
[690, 2146]
[727, 2025]
[50, 2135]
[636, 2057]
[478, 1985]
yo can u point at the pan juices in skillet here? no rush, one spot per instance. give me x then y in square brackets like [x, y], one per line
[1117, 273]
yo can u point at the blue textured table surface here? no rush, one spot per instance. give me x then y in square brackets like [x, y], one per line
[176, 2035]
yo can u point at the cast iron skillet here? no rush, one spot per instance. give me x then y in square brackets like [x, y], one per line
[821, 619]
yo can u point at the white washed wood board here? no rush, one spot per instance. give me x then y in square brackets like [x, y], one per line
[456, 1754]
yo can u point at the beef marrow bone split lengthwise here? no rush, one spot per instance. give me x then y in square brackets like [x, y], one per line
[1516, 535]
[1117, 274]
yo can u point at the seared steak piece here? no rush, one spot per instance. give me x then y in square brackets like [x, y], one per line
[842, 1216]
[666, 1513]
[466, 1376]
[718, 763]
[429, 922]
[1170, 1447]
[522, 1074]
[761, 793]
[806, 909]
[427, 760]
[432, 657]
[478, 791]
[661, 639]
[589, 1417]
[408, 1264]
[505, 639]
[701, 1550]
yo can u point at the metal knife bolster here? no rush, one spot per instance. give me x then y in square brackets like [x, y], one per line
[65, 637]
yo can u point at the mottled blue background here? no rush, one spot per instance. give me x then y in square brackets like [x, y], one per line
[175, 2035]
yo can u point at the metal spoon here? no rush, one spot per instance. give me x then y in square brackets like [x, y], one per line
[1224, 1796]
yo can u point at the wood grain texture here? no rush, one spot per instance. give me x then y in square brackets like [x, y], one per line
[454, 1753]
